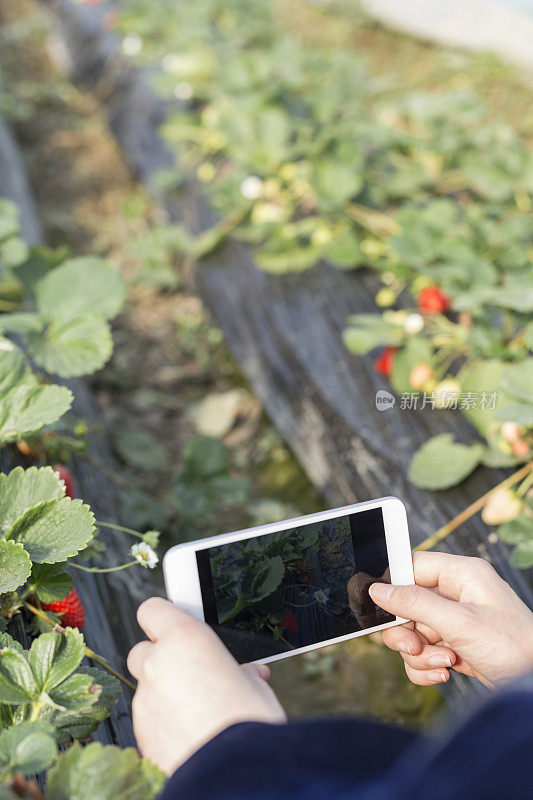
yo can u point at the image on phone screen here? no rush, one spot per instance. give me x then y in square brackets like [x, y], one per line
[280, 591]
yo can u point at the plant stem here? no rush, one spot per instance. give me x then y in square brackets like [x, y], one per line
[472, 509]
[87, 650]
[114, 527]
[522, 489]
[103, 569]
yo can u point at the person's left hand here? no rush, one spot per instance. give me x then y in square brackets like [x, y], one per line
[190, 687]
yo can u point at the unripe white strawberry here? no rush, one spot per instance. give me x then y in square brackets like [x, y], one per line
[420, 375]
[502, 506]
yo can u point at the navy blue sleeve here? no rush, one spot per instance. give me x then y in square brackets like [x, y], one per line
[301, 759]
[486, 757]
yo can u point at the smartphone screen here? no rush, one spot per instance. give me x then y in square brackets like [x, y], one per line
[281, 591]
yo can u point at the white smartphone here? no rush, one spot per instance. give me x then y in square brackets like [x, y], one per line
[293, 586]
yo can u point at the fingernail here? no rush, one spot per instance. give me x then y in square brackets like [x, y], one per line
[381, 592]
[436, 676]
[440, 661]
[403, 647]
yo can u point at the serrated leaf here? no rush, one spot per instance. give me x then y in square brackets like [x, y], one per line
[7, 641]
[54, 530]
[22, 488]
[15, 566]
[73, 347]
[441, 463]
[50, 582]
[14, 367]
[81, 723]
[26, 409]
[28, 747]
[81, 286]
[268, 578]
[76, 692]
[54, 656]
[17, 684]
[99, 772]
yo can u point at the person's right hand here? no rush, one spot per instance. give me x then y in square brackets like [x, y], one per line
[465, 617]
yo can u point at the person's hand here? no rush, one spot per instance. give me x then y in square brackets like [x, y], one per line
[465, 618]
[190, 687]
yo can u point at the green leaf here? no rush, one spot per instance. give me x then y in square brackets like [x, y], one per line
[17, 684]
[140, 449]
[54, 530]
[517, 531]
[337, 182]
[483, 376]
[345, 251]
[28, 748]
[268, 578]
[229, 490]
[20, 322]
[50, 582]
[415, 351]
[22, 488]
[441, 463]
[14, 368]
[15, 566]
[517, 380]
[99, 772]
[521, 413]
[367, 331]
[522, 555]
[13, 252]
[26, 409]
[75, 693]
[81, 723]
[72, 347]
[54, 656]
[78, 287]
[205, 456]
[7, 641]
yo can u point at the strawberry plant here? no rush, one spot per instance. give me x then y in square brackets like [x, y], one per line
[55, 322]
[308, 157]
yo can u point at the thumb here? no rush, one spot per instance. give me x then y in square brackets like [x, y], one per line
[421, 605]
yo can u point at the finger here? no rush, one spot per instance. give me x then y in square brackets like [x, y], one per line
[427, 677]
[157, 616]
[431, 657]
[402, 639]
[423, 605]
[136, 656]
[449, 572]
[428, 633]
[257, 670]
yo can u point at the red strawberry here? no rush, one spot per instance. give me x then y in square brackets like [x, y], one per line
[71, 609]
[289, 622]
[66, 475]
[433, 300]
[385, 362]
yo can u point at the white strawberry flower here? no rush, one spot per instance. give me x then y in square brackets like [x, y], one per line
[144, 554]
[132, 45]
[252, 187]
[183, 91]
[413, 324]
[320, 596]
